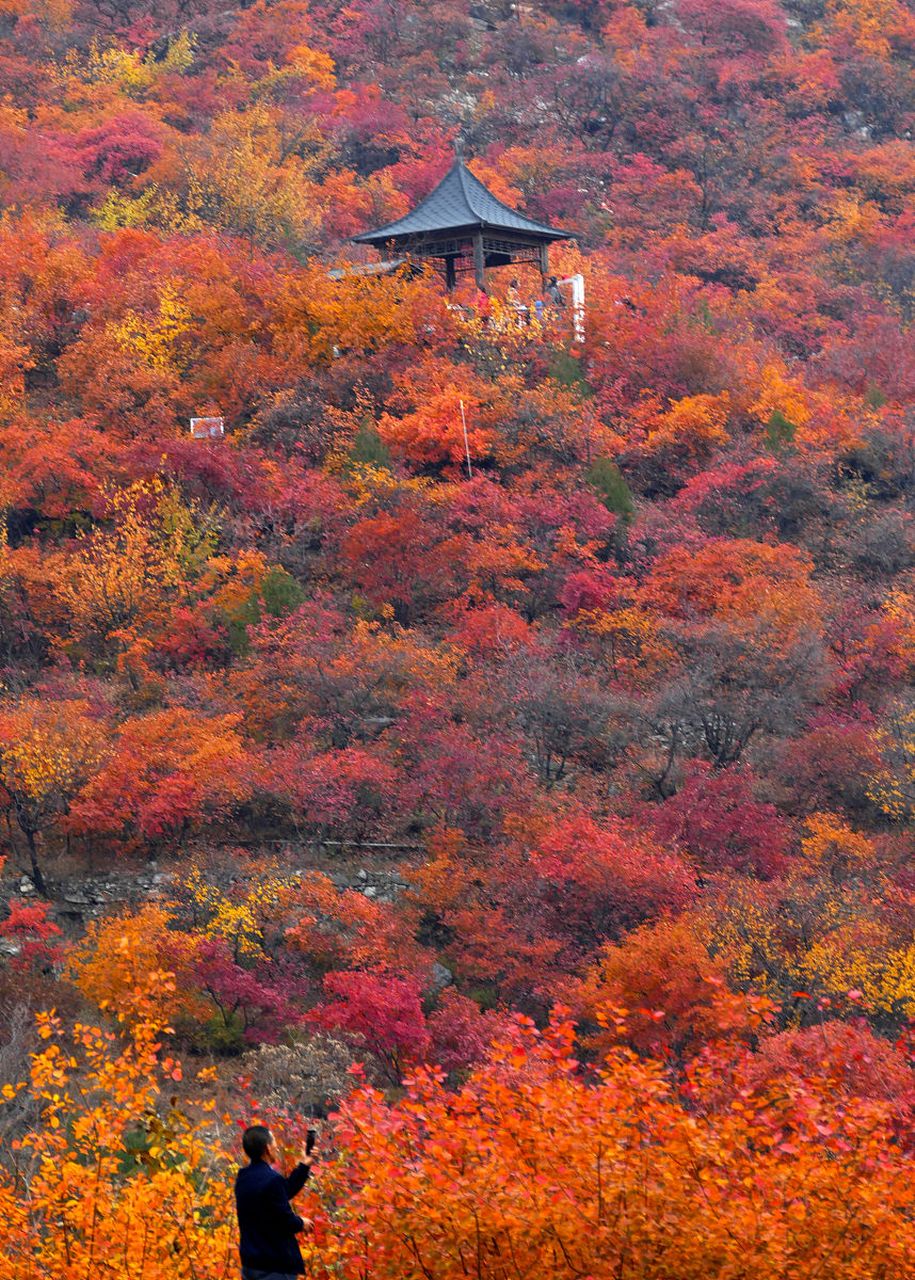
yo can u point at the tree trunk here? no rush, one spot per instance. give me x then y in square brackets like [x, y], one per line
[37, 875]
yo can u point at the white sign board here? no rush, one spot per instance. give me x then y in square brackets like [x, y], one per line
[207, 428]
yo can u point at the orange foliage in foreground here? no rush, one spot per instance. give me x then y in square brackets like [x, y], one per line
[536, 1167]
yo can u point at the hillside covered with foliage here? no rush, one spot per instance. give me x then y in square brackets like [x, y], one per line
[562, 775]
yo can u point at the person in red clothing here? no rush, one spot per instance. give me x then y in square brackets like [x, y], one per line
[267, 1224]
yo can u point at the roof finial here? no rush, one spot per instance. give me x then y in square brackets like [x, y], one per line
[459, 148]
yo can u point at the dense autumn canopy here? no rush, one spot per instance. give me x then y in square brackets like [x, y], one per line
[498, 745]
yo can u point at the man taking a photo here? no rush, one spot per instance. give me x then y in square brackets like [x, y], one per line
[266, 1222]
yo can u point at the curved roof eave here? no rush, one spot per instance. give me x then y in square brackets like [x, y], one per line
[460, 201]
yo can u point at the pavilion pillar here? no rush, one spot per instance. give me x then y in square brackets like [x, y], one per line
[450, 273]
[545, 262]
[479, 261]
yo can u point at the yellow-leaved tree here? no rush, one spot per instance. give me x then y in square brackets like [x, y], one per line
[152, 545]
[48, 751]
[117, 1177]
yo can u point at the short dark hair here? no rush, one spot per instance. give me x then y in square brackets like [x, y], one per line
[255, 1140]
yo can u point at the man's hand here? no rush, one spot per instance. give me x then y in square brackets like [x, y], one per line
[306, 1159]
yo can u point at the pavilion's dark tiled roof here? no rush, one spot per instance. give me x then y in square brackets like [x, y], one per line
[460, 200]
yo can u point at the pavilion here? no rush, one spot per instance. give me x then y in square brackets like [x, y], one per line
[462, 225]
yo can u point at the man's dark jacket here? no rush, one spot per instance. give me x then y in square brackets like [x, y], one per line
[266, 1222]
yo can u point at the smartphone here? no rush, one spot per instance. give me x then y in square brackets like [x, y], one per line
[311, 1138]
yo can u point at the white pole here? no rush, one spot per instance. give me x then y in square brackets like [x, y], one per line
[578, 305]
[466, 441]
[578, 302]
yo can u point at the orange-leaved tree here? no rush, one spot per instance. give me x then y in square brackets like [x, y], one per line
[172, 768]
[674, 991]
[113, 963]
